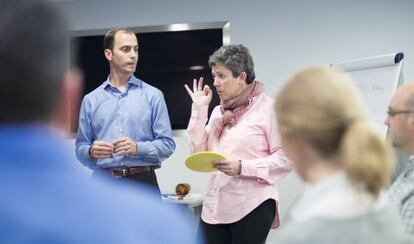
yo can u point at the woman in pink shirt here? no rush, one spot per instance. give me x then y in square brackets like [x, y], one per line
[241, 202]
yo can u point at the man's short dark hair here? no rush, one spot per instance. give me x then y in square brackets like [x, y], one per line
[109, 38]
[33, 59]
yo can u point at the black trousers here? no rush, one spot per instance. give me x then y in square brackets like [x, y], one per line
[148, 179]
[251, 229]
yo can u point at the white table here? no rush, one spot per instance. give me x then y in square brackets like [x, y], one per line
[193, 201]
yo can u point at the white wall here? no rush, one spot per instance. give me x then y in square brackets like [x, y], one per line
[283, 36]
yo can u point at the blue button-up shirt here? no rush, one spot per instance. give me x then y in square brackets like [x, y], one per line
[45, 198]
[139, 113]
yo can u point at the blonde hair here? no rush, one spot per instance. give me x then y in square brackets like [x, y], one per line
[322, 107]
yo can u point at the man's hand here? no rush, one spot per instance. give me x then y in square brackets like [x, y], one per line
[125, 146]
[231, 168]
[101, 149]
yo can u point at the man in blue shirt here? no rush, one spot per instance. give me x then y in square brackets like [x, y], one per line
[124, 130]
[45, 198]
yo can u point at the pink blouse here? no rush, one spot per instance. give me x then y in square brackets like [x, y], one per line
[255, 141]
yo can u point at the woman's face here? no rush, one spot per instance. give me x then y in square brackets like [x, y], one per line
[226, 85]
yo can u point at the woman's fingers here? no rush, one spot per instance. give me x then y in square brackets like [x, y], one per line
[207, 91]
[194, 85]
[201, 94]
[220, 164]
[200, 84]
[188, 90]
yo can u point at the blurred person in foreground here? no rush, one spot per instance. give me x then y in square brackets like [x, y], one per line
[343, 160]
[45, 197]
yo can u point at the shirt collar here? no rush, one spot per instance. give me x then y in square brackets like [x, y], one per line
[132, 81]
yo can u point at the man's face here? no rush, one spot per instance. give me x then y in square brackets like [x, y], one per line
[399, 122]
[124, 56]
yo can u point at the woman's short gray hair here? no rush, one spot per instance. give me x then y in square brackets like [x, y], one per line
[236, 58]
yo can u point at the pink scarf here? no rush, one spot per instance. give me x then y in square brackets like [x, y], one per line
[234, 108]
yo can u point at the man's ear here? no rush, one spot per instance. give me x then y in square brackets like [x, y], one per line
[66, 114]
[108, 54]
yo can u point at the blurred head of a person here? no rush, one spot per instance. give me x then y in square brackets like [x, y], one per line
[400, 119]
[324, 129]
[35, 84]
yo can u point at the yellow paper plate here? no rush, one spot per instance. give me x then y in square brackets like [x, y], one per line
[201, 161]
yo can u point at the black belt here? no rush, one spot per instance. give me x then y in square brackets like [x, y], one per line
[124, 172]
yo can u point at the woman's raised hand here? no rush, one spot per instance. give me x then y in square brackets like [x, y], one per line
[201, 95]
